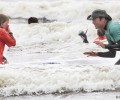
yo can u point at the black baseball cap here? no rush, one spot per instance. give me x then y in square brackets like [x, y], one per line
[99, 13]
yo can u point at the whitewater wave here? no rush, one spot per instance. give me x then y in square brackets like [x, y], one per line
[57, 79]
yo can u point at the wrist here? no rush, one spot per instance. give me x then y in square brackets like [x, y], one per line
[11, 34]
[93, 54]
[96, 53]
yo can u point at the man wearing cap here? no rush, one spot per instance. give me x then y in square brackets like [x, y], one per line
[103, 21]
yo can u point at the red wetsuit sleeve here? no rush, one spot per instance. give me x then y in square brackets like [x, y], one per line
[6, 38]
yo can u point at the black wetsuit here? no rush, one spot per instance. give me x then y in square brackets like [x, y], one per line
[112, 51]
[113, 46]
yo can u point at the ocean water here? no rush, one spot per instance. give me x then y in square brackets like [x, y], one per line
[48, 62]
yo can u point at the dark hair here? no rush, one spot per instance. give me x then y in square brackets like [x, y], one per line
[104, 17]
[100, 33]
[3, 18]
[32, 20]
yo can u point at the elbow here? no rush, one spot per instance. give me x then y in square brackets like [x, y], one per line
[113, 55]
[13, 43]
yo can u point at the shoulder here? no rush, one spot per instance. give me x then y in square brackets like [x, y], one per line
[113, 26]
[3, 33]
[2, 30]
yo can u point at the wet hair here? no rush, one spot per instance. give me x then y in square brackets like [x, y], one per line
[105, 18]
[3, 18]
[32, 20]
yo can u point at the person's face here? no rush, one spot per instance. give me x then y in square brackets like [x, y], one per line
[99, 23]
[5, 25]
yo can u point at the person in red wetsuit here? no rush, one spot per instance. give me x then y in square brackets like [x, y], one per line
[6, 36]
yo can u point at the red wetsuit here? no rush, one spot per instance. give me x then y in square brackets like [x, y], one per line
[5, 38]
